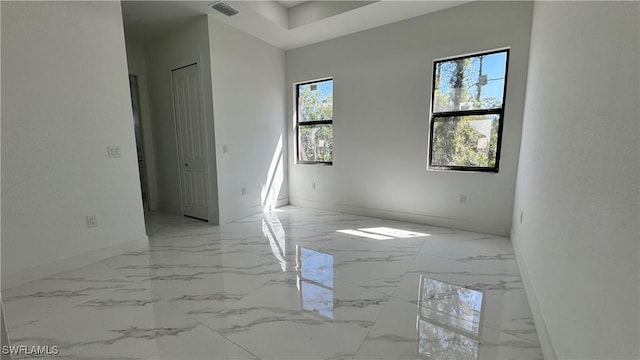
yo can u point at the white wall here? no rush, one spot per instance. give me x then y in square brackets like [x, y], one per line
[183, 46]
[382, 90]
[249, 105]
[65, 98]
[0, 159]
[578, 179]
[137, 66]
[309, 12]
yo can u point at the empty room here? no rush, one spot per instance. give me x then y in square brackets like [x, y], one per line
[320, 179]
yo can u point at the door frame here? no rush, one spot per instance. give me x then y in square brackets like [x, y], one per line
[144, 176]
[147, 137]
[205, 122]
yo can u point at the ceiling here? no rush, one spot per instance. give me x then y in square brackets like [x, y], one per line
[285, 24]
[290, 3]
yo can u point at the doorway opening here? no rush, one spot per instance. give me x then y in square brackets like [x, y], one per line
[137, 124]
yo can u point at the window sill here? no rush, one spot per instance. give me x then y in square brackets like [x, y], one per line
[323, 163]
[464, 170]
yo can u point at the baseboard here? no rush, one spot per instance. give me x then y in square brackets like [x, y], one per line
[495, 229]
[541, 327]
[18, 278]
[282, 202]
[169, 208]
[255, 209]
[214, 219]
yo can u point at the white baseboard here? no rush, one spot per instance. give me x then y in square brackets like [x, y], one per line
[255, 209]
[260, 208]
[541, 327]
[214, 219]
[282, 202]
[18, 278]
[169, 208]
[485, 228]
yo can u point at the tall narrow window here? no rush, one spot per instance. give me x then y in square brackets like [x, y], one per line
[467, 111]
[314, 122]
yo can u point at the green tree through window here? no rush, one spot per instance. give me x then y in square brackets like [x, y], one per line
[315, 121]
[467, 111]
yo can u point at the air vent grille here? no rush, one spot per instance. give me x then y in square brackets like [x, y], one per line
[223, 8]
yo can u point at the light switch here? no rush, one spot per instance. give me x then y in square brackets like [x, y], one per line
[92, 221]
[114, 151]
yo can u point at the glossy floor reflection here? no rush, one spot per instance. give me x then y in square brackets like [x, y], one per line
[289, 284]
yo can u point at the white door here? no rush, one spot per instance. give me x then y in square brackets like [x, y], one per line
[191, 141]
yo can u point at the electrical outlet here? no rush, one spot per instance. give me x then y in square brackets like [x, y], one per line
[114, 151]
[463, 199]
[92, 221]
[244, 190]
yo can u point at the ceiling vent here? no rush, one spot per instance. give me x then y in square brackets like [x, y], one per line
[223, 8]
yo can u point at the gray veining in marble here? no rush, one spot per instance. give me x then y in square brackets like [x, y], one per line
[293, 283]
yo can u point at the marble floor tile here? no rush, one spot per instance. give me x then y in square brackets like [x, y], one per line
[294, 283]
[121, 328]
[370, 264]
[301, 316]
[505, 308]
[200, 290]
[198, 282]
[462, 273]
[38, 300]
[403, 331]
[478, 249]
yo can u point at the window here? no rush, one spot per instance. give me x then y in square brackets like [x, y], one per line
[314, 122]
[467, 110]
